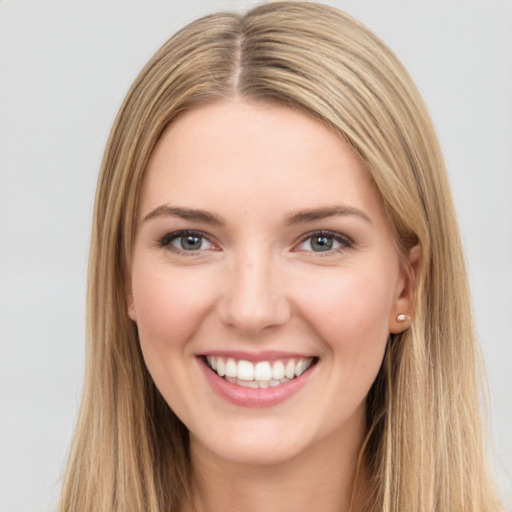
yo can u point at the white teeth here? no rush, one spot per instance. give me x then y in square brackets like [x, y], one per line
[231, 369]
[302, 366]
[245, 370]
[261, 384]
[212, 361]
[221, 367]
[258, 375]
[290, 369]
[278, 370]
[248, 383]
[299, 368]
[263, 371]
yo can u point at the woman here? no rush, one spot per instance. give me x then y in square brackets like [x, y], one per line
[278, 306]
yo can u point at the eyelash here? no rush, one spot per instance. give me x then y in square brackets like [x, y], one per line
[344, 241]
[166, 241]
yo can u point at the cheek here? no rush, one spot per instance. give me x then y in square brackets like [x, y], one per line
[351, 312]
[169, 304]
[169, 307]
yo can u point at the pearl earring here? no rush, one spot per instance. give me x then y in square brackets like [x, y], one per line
[402, 318]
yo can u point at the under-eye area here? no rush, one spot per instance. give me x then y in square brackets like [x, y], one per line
[261, 374]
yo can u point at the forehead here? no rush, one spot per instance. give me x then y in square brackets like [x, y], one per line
[245, 155]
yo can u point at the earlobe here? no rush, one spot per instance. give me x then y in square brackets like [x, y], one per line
[402, 313]
[132, 312]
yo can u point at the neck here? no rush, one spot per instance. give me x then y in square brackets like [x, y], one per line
[320, 478]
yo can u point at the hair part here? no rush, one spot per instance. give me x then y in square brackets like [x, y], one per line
[425, 446]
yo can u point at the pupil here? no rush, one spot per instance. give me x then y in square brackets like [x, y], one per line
[321, 243]
[190, 242]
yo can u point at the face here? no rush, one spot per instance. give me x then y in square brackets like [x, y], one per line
[264, 281]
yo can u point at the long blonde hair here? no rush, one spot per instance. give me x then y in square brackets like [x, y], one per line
[425, 448]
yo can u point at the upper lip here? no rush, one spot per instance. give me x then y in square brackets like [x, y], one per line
[254, 357]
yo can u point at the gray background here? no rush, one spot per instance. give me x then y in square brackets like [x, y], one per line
[64, 69]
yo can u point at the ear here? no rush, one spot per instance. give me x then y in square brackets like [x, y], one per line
[130, 302]
[402, 311]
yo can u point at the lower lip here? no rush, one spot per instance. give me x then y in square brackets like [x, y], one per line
[250, 397]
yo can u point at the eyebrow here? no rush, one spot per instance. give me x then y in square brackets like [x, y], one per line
[314, 214]
[185, 213]
[298, 217]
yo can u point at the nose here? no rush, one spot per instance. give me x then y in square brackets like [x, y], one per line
[254, 300]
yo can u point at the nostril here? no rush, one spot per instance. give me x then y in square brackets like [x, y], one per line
[252, 297]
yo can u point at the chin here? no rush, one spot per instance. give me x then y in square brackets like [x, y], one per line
[252, 447]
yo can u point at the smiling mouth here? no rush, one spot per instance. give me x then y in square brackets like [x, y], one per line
[262, 374]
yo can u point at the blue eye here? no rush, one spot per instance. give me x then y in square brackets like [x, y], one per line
[188, 241]
[325, 241]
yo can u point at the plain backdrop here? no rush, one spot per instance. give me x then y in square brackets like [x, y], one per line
[64, 69]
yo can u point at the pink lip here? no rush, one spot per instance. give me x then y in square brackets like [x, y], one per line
[249, 397]
[254, 357]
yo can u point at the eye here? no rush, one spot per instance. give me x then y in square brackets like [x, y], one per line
[186, 241]
[325, 241]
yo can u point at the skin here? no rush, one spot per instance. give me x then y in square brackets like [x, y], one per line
[256, 284]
